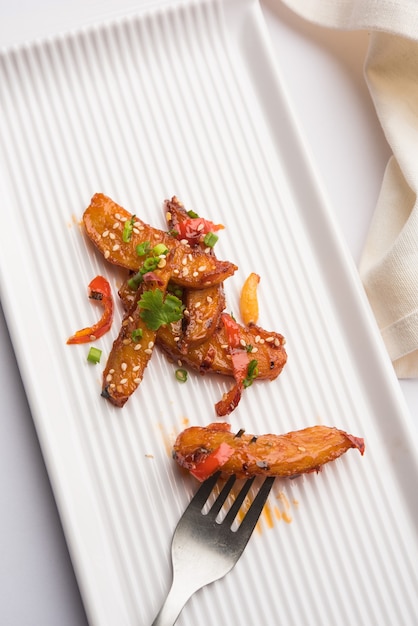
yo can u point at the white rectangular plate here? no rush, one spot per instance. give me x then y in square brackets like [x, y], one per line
[185, 100]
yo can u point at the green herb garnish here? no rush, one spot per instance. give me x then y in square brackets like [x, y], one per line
[252, 373]
[94, 355]
[157, 311]
[210, 239]
[181, 375]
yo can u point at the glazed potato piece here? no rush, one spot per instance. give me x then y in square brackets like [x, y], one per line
[213, 355]
[104, 223]
[244, 455]
[132, 349]
[203, 306]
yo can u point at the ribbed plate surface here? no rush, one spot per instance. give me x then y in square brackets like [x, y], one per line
[185, 100]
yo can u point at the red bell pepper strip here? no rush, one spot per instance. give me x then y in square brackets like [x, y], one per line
[99, 291]
[240, 363]
[212, 462]
[194, 229]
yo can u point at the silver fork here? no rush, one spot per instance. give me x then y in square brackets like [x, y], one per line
[204, 549]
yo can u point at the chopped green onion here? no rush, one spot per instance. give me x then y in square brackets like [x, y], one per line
[160, 249]
[252, 373]
[136, 334]
[127, 229]
[192, 214]
[94, 355]
[150, 264]
[181, 375]
[143, 248]
[210, 239]
[135, 281]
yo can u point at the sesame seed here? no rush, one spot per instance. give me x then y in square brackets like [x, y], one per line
[201, 226]
[123, 367]
[184, 242]
[123, 381]
[117, 216]
[185, 271]
[137, 381]
[197, 305]
[179, 362]
[269, 339]
[119, 388]
[116, 247]
[190, 255]
[137, 346]
[277, 342]
[184, 260]
[176, 271]
[135, 230]
[242, 342]
[209, 299]
[111, 371]
[136, 368]
[150, 344]
[112, 235]
[107, 254]
[130, 318]
[115, 226]
[176, 338]
[109, 378]
[148, 351]
[254, 349]
[202, 268]
[105, 233]
[195, 274]
[257, 339]
[224, 346]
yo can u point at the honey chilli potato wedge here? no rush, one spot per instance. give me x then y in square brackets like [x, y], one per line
[117, 234]
[206, 450]
[214, 354]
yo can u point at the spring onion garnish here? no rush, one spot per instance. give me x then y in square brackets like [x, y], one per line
[143, 248]
[157, 310]
[94, 355]
[181, 375]
[252, 373]
[160, 249]
[127, 229]
[136, 335]
[192, 214]
[210, 239]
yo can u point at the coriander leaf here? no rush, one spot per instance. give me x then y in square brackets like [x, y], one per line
[157, 311]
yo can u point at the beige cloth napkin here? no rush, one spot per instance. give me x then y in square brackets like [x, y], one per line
[389, 264]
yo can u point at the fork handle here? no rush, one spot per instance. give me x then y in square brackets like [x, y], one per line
[173, 604]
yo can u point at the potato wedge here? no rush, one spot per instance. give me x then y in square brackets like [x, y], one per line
[203, 306]
[132, 349]
[213, 355]
[286, 455]
[104, 223]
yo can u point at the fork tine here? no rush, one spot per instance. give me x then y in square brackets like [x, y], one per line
[235, 507]
[251, 517]
[204, 491]
[217, 505]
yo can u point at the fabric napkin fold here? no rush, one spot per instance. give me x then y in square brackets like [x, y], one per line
[389, 263]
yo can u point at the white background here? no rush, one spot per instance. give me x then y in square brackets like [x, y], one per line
[323, 73]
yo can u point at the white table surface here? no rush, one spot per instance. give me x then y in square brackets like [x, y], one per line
[323, 72]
